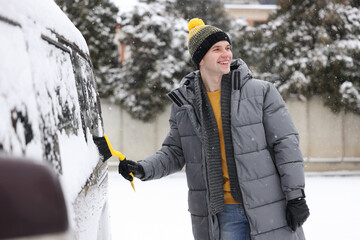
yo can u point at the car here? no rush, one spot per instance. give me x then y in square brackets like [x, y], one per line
[50, 108]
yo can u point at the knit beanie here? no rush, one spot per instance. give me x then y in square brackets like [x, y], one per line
[201, 38]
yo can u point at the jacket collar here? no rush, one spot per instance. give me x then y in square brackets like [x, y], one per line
[185, 92]
[240, 73]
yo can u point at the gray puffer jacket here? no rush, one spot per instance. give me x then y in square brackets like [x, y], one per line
[268, 160]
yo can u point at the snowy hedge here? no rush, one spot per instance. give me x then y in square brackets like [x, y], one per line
[307, 48]
[159, 59]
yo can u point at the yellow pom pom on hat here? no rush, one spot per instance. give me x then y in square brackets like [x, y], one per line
[201, 38]
[195, 22]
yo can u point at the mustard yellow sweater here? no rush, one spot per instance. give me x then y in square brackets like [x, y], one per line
[214, 98]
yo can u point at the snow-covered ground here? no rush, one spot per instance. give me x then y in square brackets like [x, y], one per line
[158, 209]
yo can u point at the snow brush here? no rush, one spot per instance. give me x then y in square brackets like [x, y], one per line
[106, 151]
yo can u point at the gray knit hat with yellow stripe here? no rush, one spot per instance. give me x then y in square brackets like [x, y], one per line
[201, 38]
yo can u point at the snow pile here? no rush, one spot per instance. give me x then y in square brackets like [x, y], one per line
[125, 6]
[350, 94]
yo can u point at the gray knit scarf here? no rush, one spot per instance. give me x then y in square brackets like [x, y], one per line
[211, 143]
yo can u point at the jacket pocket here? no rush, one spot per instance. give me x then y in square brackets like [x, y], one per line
[262, 191]
[265, 204]
[197, 203]
[194, 176]
[267, 218]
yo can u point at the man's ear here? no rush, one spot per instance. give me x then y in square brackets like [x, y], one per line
[201, 62]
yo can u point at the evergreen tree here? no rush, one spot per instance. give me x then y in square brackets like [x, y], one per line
[309, 48]
[156, 36]
[212, 12]
[96, 20]
[242, 38]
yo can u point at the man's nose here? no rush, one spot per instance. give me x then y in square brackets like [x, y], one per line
[226, 53]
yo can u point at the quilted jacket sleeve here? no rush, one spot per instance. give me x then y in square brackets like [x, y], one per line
[169, 158]
[283, 139]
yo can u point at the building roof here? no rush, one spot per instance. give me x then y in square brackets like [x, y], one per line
[262, 2]
[272, 2]
[251, 6]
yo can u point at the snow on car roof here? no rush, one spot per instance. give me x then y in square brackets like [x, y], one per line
[42, 14]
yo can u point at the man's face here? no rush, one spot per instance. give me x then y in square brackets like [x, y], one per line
[217, 60]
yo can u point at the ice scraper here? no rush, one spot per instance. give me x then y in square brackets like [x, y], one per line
[106, 151]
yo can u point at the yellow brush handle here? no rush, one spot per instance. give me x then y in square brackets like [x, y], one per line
[120, 156]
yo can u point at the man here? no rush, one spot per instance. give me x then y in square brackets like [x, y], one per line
[244, 167]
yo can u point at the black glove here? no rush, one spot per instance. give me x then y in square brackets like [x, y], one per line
[128, 166]
[296, 213]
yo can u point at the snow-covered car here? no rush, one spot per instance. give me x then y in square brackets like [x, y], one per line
[50, 109]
